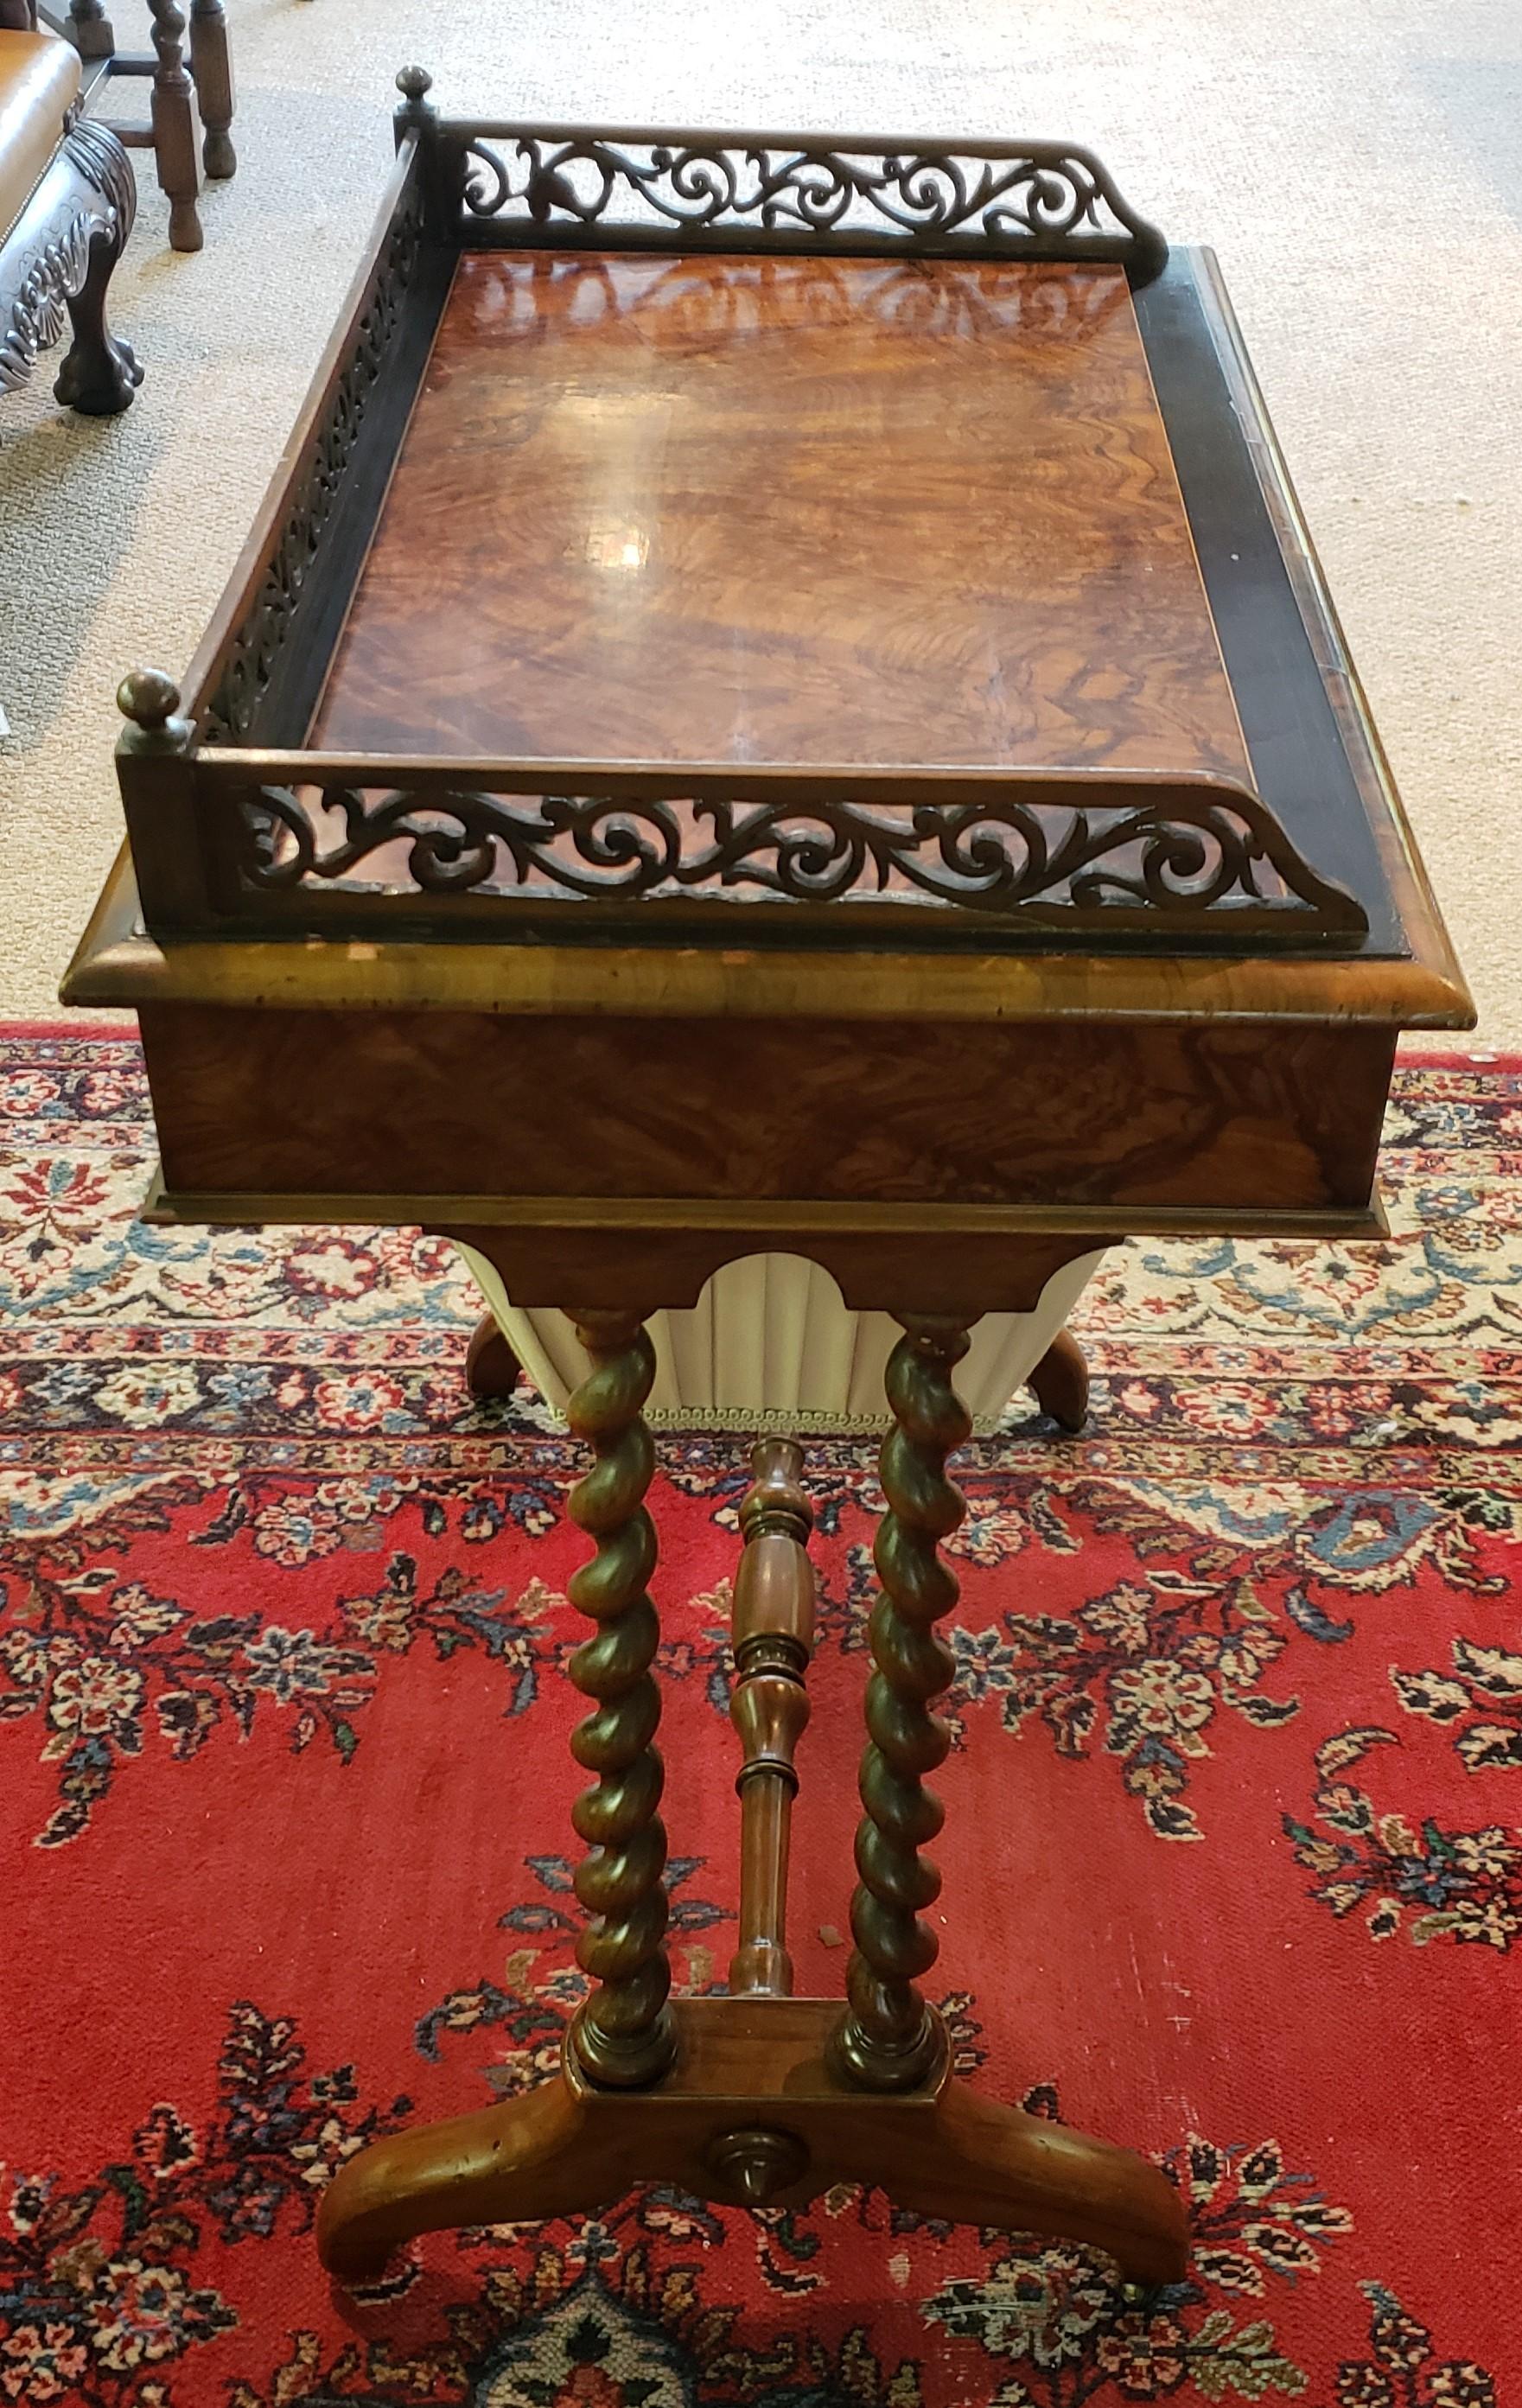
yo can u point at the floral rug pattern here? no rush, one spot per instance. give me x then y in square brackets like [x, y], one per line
[1233, 1858]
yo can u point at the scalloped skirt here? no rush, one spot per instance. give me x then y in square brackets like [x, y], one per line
[770, 1343]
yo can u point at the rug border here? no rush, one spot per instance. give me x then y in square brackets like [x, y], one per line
[81, 1027]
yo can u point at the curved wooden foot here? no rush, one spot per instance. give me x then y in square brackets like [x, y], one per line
[751, 2116]
[992, 2164]
[526, 2159]
[491, 1367]
[1059, 1382]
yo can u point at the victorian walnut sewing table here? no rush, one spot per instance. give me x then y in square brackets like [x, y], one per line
[779, 700]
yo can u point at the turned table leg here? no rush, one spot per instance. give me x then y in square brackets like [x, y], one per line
[176, 126]
[773, 1623]
[212, 70]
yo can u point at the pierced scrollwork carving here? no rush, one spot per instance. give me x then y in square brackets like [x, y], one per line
[1041, 200]
[1172, 854]
[228, 713]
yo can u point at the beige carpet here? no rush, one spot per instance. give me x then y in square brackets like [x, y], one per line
[1357, 167]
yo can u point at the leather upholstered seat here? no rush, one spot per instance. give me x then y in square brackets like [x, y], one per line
[40, 81]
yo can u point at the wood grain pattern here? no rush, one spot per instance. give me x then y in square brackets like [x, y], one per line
[863, 511]
[905, 1112]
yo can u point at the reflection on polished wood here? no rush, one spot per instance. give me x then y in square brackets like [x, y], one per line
[799, 509]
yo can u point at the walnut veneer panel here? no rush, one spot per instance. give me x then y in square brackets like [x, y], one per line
[1223, 1115]
[800, 509]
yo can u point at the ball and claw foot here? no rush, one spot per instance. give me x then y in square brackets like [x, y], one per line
[98, 378]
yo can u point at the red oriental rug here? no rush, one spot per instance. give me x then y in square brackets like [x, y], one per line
[1233, 1863]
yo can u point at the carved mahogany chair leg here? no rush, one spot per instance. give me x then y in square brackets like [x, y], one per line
[99, 373]
[177, 146]
[491, 1367]
[1059, 1382]
[212, 70]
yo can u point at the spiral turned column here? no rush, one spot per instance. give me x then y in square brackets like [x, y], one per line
[622, 2036]
[889, 2039]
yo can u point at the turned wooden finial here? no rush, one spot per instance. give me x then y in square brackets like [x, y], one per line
[150, 700]
[149, 696]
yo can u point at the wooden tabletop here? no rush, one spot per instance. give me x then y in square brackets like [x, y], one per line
[865, 512]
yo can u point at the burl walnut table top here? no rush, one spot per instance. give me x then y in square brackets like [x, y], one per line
[860, 511]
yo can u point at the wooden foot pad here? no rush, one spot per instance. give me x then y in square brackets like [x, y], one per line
[749, 2115]
[491, 1367]
[1059, 1382]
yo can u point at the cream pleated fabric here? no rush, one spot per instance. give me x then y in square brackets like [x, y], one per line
[770, 1342]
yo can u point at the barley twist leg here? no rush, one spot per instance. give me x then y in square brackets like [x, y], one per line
[622, 2036]
[889, 2038]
